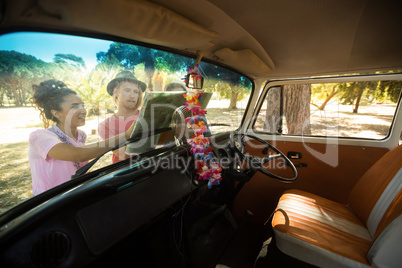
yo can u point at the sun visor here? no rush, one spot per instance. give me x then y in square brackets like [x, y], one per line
[245, 61]
[139, 20]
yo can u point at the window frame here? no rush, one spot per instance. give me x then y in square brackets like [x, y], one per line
[390, 141]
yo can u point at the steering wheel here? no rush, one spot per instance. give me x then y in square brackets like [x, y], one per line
[256, 163]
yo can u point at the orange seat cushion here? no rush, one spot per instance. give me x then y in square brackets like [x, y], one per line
[324, 223]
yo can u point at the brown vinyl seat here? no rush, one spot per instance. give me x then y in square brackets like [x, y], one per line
[365, 232]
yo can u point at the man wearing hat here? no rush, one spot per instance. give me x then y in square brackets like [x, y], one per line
[126, 92]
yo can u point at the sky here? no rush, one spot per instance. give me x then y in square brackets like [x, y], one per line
[44, 46]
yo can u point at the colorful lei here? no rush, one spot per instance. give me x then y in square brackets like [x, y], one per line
[207, 168]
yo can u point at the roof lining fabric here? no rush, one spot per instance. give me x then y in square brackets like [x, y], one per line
[250, 62]
[302, 39]
[144, 21]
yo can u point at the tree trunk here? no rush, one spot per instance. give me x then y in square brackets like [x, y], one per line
[15, 92]
[233, 100]
[329, 97]
[272, 120]
[158, 82]
[23, 93]
[296, 107]
[149, 72]
[357, 103]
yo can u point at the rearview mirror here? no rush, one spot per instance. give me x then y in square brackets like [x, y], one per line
[194, 81]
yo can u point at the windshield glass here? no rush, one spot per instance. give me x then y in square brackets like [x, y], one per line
[90, 67]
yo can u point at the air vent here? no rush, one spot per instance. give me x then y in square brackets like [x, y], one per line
[51, 249]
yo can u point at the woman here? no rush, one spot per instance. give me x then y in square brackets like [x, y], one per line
[57, 152]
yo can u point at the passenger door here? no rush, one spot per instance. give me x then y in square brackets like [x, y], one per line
[333, 130]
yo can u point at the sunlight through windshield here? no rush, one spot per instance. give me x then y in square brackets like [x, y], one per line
[88, 66]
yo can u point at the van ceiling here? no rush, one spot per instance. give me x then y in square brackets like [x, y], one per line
[261, 38]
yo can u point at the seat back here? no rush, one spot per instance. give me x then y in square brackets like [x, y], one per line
[377, 200]
[373, 194]
[387, 247]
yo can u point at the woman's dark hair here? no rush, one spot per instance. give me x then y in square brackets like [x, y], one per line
[47, 96]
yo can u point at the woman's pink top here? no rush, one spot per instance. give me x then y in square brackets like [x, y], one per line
[48, 172]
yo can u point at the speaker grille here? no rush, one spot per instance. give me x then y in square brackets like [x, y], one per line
[51, 249]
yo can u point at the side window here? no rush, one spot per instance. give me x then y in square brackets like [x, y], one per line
[355, 109]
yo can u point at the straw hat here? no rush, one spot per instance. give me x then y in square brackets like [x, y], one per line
[124, 76]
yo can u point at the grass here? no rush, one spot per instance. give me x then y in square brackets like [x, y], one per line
[15, 176]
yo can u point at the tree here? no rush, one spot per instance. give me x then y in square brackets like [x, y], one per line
[228, 84]
[131, 56]
[92, 89]
[273, 111]
[324, 91]
[390, 89]
[352, 92]
[125, 55]
[296, 107]
[69, 59]
[233, 87]
[232, 92]
[18, 72]
[149, 64]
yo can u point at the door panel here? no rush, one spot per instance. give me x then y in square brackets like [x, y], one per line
[261, 194]
[340, 126]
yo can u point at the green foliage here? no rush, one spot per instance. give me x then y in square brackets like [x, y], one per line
[124, 54]
[92, 89]
[143, 61]
[351, 91]
[356, 93]
[320, 92]
[70, 59]
[389, 90]
[18, 72]
[226, 90]
[129, 56]
[226, 83]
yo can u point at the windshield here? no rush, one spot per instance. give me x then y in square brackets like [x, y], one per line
[88, 67]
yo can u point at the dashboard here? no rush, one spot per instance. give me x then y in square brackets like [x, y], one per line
[76, 227]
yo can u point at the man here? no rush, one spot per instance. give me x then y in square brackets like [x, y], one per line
[126, 92]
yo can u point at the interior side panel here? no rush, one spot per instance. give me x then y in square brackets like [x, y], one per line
[325, 179]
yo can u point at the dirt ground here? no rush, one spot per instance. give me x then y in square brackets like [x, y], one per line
[18, 123]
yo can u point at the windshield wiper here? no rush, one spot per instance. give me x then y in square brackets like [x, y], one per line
[136, 138]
